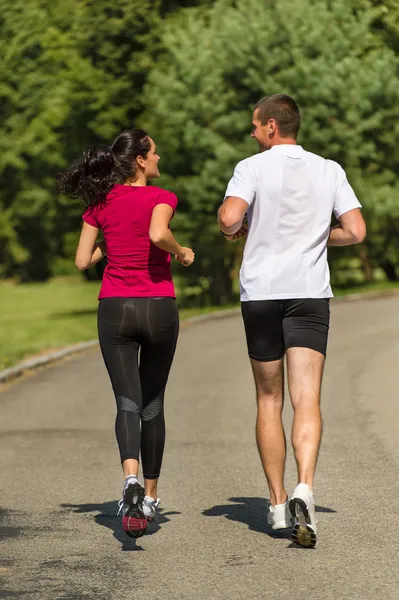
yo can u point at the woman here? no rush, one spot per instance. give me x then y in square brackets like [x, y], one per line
[137, 306]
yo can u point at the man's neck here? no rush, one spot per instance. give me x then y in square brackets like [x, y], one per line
[278, 141]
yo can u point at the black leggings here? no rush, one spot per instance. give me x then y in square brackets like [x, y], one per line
[125, 326]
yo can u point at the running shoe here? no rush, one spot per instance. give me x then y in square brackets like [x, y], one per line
[134, 522]
[279, 516]
[150, 508]
[302, 507]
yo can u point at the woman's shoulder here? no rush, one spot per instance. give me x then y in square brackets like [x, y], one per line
[161, 196]
[158, 191]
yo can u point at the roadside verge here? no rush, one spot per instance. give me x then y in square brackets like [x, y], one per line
[33, 363]
[44, 359]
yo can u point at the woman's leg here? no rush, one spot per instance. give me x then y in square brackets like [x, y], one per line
[118, 335]
[159, 332]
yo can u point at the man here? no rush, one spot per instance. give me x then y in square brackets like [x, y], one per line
[288, 195]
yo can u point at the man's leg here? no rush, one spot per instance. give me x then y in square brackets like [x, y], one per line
[264, 333]
[270, 437]
[304, 375]
[305, 325]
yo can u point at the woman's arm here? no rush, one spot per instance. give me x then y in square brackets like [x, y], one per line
[162, 237]
[89, 252]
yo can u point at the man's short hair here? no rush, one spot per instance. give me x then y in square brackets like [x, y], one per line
[284, 110]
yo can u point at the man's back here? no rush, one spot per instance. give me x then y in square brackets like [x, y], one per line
[291, 195]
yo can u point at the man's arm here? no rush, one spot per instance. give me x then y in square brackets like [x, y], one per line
[231, 215]
[350, 230]
[242, 232]
[239, 196]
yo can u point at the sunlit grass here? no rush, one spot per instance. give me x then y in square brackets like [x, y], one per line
[38, 317]
[366, 287]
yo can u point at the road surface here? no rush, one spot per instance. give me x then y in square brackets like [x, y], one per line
[61, 480]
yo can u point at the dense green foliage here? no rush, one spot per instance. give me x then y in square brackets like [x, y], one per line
[72, 75]
[77, 72]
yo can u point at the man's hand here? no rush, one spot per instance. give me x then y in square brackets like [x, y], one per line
[242, 232]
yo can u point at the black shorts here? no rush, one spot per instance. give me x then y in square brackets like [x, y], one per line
[273, 326]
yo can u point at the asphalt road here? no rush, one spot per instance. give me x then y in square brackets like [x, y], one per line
[60, 479]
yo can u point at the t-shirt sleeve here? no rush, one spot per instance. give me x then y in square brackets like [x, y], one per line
[242, 184]
[165, 197]
[90, 216]
[345, 198]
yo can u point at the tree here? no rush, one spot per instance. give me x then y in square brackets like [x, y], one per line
[72, 75]
[219, 62]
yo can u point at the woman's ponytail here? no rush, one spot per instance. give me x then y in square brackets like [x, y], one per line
[91, 177]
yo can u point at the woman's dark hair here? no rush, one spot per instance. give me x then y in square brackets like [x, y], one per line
[92, 176]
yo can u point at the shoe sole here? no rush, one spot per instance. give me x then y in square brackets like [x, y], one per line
[134, 522]
[303, 533]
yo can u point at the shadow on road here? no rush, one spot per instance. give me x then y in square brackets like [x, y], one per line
[107, 517]
[252, 512]
[6, 529]
[74, 313]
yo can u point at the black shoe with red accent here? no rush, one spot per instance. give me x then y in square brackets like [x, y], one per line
[134, 522]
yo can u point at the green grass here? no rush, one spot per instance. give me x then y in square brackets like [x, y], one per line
[365, 288]
[38, 317]
[35, 318]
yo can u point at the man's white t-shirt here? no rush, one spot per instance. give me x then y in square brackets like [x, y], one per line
[291, 195]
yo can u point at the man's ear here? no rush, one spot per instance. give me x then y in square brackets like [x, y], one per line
[271, 127]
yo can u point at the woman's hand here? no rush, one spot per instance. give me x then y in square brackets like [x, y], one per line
[186, 257]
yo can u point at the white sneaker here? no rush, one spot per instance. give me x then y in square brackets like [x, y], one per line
[134, 522]
[150, 508]
[279, 516]
[302, 507]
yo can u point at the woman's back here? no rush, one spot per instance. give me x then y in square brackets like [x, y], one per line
[138, 320]
[136, 267]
